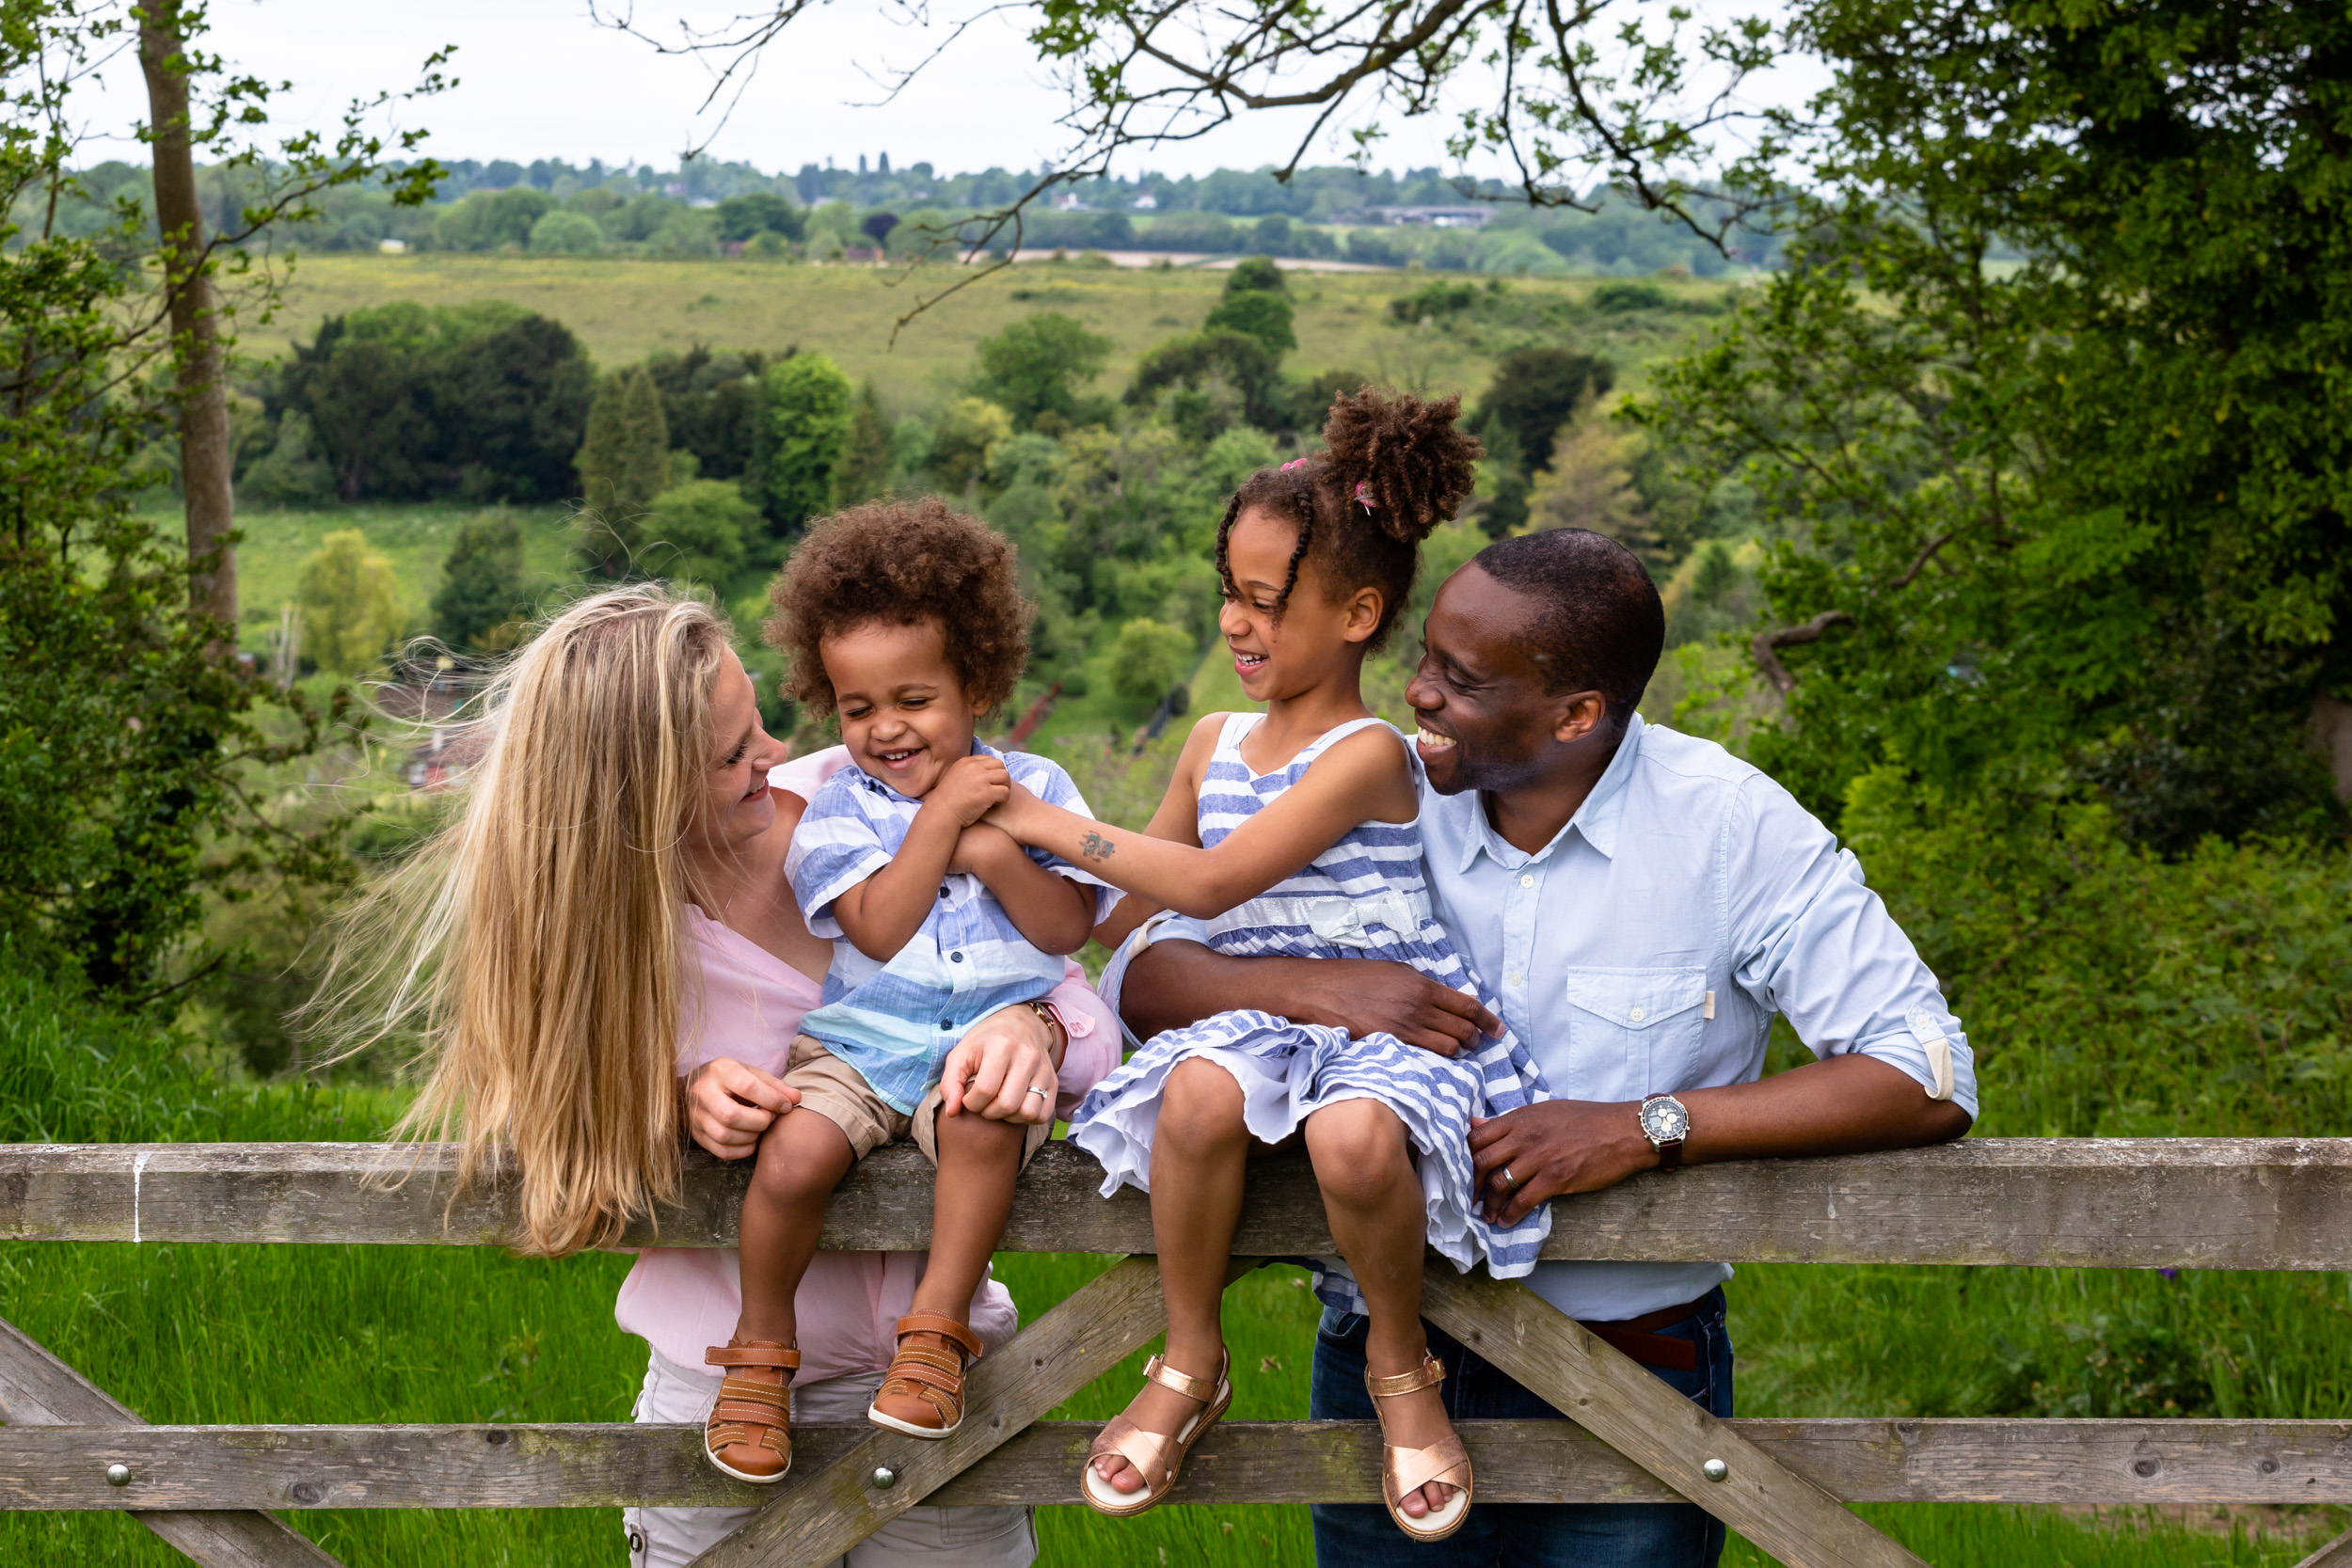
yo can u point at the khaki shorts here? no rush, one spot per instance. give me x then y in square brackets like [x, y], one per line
[840, 1093]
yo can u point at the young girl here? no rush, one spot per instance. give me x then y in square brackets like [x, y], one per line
[1295, 834]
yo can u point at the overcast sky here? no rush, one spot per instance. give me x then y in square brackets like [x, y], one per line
[539, 78]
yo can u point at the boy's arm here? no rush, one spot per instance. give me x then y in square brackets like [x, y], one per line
[1361, 777]
[881, 914]
[1052, 913]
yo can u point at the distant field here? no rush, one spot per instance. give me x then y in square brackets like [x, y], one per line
[624, 311]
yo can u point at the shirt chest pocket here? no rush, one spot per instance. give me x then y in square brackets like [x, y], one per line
[1634, 1031]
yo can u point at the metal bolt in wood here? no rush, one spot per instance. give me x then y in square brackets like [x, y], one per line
[117, 1475]
[1714, 1469]
[884, 1477]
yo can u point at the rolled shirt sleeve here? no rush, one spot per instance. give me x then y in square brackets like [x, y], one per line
[1814, 941]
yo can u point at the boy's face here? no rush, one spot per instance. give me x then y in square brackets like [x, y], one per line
[904, 715]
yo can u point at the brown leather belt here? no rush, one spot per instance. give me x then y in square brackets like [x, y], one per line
[1634, 1337]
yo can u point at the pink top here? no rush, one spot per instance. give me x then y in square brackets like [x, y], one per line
[683, 1300]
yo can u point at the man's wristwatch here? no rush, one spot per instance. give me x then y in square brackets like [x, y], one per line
[1665, 1123]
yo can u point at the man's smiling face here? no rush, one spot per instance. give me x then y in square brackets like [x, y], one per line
[1485, 721]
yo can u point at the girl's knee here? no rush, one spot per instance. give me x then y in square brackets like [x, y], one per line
[1201, 1105]
[1357, 1144]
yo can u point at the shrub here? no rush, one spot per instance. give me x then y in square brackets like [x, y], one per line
[561, 234]
[481, 598]
[2108, 992]
[699, 530]
[350, 603]
[1149, 659]
[799, 439]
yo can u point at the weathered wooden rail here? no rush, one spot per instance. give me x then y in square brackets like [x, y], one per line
[2195, 1203]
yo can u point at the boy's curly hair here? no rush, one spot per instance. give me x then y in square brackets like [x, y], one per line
[903, 562]
[1392, 468]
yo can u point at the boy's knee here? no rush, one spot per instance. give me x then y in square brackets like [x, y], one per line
[1358, 1148]
[969, 1136]
[1201, 1105]
[796, 1162]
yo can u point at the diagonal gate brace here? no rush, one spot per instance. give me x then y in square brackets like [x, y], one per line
[1068, 1348]
[38, 1389]
[1610, 1396]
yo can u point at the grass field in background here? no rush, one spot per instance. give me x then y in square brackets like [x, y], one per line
[624, 311]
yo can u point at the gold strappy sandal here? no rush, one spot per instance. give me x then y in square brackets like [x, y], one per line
[1404, 1471]
[1157, 1456]
[754, 1420]
[930, 1374]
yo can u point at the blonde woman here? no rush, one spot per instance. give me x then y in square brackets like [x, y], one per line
[608, 919]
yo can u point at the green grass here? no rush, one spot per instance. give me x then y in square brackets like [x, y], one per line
[624, 309]
[413, 535]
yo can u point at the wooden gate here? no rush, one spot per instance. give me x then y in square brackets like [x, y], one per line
[2121, 1203]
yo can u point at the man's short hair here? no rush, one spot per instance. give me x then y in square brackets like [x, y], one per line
[1598, 625]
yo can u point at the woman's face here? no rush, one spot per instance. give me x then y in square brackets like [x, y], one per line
[737, 806]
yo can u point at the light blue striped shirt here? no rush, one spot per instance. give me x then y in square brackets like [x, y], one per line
[896, 1021]
[1646, 947]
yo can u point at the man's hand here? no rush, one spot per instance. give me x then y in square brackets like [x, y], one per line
[1003, 1069]
[1370, 996]
[970, 787]
[1559, 1146]
[729, 1105]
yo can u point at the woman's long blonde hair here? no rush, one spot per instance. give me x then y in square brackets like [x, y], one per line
[538, 944]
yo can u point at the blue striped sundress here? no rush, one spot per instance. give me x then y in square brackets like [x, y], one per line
[1364, 897]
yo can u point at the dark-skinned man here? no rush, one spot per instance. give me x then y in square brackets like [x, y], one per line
[1640, 903]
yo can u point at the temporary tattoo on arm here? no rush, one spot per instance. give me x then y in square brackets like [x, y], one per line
[1094, 847]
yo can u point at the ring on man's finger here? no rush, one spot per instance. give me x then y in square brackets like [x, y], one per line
[1510, 1182]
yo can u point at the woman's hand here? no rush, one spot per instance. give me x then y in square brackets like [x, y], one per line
[1005, 1068]
[729, 1105]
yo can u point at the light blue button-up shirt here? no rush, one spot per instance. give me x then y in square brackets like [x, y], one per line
[1646, 947]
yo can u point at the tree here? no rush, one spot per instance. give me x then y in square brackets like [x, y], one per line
[1149, 659]
[624, 461]
[2074, 526]
[876, 226]
[301, 169]
[1535, 391]
[865, 455]
[350, 603]
[1035, 366]
[479, 603]
[760, 212]
[803, 427]
[1242, 361]
[561, 234]
[698, 531]
[967, 431]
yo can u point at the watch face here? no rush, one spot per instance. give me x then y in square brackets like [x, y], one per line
[1665, 1121]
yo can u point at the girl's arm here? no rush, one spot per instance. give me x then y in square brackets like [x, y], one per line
[1177, 822]
[1361, 779]
[1052, 913]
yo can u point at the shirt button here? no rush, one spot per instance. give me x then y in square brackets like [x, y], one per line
[955, 958]
[1636, 1014]
[947, 1023]
[1527, 879]
[1517, 979]
[943, 890]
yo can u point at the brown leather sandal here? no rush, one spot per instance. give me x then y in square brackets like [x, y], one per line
[1157, 1456]
[752, 1418]
[930, 1373]
[1404, 1471]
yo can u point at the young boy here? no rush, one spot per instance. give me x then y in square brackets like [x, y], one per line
[905, 619]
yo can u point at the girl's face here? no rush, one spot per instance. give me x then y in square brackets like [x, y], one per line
[1283, 650]
[904, 715]
[737, 806]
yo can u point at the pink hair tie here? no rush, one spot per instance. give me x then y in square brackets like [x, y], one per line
[1363, 494]
[1293, 464]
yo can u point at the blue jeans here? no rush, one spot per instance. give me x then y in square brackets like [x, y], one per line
[1517, 1535]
